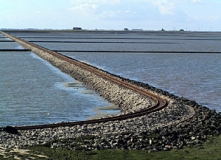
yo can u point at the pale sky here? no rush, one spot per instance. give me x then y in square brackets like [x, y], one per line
[194, 15]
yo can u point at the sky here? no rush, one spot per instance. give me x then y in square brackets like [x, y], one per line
[193, 15]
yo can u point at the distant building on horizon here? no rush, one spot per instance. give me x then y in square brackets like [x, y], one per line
[77, 28]
[126, 29]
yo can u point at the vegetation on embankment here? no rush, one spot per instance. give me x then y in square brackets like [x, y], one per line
[208, 150]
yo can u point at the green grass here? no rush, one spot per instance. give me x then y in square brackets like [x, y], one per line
[209, 150]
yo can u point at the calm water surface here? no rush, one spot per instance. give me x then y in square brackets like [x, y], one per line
[195, 76]
[34, 92]
[37, 90]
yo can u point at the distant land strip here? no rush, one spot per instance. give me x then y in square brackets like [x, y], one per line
[102, 42]
[6, 41]
[70, 37]
[122, 38]
[14, 50]
[205, 52]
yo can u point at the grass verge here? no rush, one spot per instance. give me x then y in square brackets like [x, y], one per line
[208, 150]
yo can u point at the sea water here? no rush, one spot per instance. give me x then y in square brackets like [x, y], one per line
[34, 92]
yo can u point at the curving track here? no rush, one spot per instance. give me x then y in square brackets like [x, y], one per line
[160, 103]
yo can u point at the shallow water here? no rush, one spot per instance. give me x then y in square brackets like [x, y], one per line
[130, 41]
[195, 76]
[34, 92]
[34, 88]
